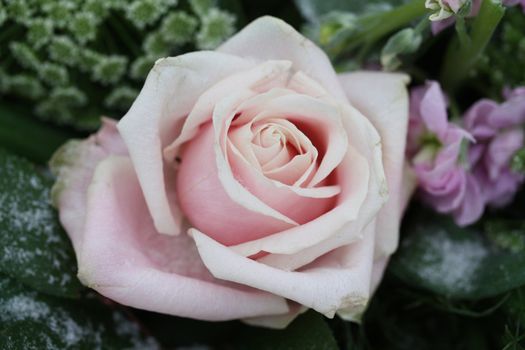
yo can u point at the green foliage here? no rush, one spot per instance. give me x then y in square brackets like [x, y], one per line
[216, 26]
[455, 262]
[494, 72]
[31, 320]
[35, 249]
[353, 29]
[464, 53]
[518, 161]
[313, 10]
[307, 332]
[406, 41]
[95, 47]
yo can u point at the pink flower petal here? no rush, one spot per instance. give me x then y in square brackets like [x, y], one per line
[123, 257]
[337, 280]
[269, 38]
[171, 89]
[382, 97]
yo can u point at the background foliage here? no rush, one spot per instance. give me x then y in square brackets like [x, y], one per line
[63, 63]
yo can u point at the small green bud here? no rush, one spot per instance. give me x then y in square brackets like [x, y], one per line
[39, 31]
[68, 96]
[84, 27]
[444, 9]
[98, 8]
[53, 110]
[144, 12]
[88, 59]
[59, 12]
[25, 85]
[405, 41]
[110, 69]
[24, 55]
[141, 67]
[19, 10]
[201, 7]
[63, 50]
[169, 3]
[116, 4]
[154, 44]
[53, 74]
[121, 98]
[178, 28]
[3, 15]
[216, 26]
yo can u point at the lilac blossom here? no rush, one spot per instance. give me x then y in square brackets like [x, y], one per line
[499, 134]
[435, 146]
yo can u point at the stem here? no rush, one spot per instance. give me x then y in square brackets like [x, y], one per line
[461, 30]
[461, 57]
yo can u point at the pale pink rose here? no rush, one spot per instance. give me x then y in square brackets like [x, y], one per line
[248, 182]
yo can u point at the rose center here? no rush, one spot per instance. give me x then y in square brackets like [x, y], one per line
[276, 147]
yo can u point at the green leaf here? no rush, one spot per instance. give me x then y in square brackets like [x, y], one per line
[307, 332]
[312, 10]
[33, 247]
[26, 136]
[30, 320]
[455, 262]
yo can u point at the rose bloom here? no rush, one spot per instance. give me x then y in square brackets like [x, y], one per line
[248, 182]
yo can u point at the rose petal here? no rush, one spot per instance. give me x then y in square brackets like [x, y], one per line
[342, 277]
[73, 165]
[260, 78]
[269, 38]
[170, 91]
[382, 97]
[278, 321]
[208, 206]
[319, 120]
[125, 259]
[356, 170]
[301, 205]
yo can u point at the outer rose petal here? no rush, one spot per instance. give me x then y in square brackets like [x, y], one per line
[73, 165]
[125, 259]
[341, 278]
[382, 97]
[171, 89]
[269, 38]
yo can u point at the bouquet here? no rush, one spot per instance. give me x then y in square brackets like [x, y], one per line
[201, 174]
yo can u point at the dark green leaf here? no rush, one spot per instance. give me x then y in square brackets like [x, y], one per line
[22, 134]
[307, 332]
[439, 256]
[33, 247]
[30, 320]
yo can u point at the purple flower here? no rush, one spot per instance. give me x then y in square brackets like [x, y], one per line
[435, 147]
[498, 131]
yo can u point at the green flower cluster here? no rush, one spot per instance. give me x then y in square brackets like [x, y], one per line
[507, 47]
[78, 59]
